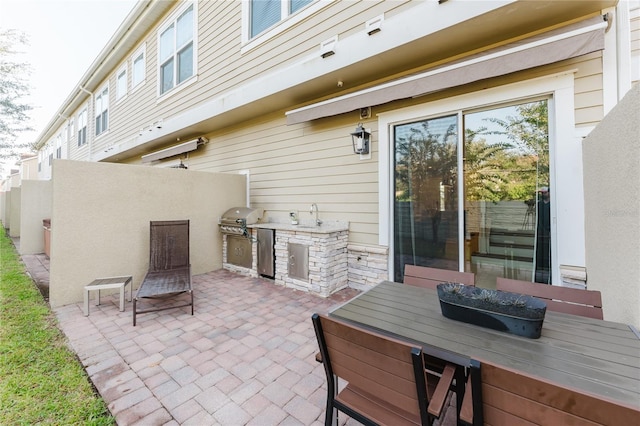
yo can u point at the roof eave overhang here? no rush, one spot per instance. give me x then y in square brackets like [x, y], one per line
[128, 35]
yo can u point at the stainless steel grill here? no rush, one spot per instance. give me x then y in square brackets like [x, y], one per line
[235, 220]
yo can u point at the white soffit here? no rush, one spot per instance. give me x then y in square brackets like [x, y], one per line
[171, 151]
[565, 43]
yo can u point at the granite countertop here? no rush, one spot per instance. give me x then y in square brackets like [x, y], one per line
[327, 227]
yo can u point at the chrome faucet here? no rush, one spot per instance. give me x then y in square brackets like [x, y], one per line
[315, 206]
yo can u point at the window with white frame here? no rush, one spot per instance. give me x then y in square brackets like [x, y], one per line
[102, 110]
[176, 58]
[59, 146]
[138, 68]
[266, 13]
[42, 157]
[121, 82]
[82, 127]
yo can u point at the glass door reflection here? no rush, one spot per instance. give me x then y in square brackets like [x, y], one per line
[426, 194]
[507, 207]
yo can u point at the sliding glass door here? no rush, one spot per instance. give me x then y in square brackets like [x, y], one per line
[507, 199]
[504, 203]
[426, 194]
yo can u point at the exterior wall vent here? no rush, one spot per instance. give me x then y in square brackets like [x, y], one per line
[374, 25]
[328, 47]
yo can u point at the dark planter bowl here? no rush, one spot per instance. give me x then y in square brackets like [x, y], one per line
[499, 310]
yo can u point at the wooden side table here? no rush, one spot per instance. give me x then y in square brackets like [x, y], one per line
[108, 283]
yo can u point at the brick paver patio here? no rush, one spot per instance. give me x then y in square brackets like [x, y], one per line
[246, 356]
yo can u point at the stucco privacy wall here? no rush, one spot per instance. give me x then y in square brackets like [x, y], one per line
[4, 202]
[35, 205]
[101, 213]
[14, 212]
[611, 155]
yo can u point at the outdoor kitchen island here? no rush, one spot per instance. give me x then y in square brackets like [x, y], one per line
[310, 258]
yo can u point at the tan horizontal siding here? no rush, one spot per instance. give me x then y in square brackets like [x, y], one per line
[589, 98]
[292, 167]
[284, 173]
[336, 18]
[221, 65]
[589, 115]
[79, 152]
[635, 40]
[132, 113]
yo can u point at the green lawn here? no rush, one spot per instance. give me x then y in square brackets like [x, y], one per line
[41, 380]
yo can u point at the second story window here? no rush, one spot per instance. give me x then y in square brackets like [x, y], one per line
[138, 68]
[82, 127]
[266, 13]
[176, 51]
[121, 83]
[102, 111]
[59, 146]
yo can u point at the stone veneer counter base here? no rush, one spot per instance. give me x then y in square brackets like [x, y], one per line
[328, 259]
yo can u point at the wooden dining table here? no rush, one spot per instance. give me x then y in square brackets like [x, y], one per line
[597, 358]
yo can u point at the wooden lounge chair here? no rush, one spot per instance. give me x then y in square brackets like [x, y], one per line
[169, 271]
[385, 376]
[422, 276]
[586, 303]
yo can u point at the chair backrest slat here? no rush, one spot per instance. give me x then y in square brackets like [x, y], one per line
[471, 410]
[510, 397]
[586, 303]
[422, 276]
[375, 364]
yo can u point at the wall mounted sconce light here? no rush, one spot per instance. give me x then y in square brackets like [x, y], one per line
[360, 140]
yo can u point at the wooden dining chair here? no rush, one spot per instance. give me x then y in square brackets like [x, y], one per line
[505, 396]
[422, 276]
[471, 409]
[386, 381]
[575, 301]
[444, 367]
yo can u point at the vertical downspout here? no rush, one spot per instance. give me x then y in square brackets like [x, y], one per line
[623, 46]
[89, 134]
